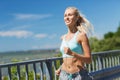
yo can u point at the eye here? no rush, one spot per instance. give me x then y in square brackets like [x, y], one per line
[65, 15]
[69, 14]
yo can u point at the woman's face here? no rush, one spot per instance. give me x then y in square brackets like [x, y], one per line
[69, 17]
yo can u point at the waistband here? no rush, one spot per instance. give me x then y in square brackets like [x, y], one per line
[71, 75]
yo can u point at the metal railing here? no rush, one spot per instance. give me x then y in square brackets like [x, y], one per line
[104, 65]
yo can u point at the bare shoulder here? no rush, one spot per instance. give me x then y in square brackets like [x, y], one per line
[62, 37]
[82, 36]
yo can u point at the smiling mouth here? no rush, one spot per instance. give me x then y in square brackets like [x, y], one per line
[67, 21]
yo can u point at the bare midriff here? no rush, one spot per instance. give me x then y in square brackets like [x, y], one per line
[72, 65]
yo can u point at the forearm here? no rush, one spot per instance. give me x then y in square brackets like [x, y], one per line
[83, 58]
[58, 70]
[60, 67]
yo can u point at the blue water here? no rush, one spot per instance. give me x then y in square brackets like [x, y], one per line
[11, 57]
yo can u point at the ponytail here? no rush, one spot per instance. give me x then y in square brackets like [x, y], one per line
[84, 25]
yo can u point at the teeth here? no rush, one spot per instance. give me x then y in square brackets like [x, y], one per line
[67, 21]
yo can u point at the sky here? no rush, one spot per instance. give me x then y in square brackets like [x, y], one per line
[39, 24]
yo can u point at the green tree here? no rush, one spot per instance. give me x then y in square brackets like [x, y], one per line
[111, 41]
[109, 35]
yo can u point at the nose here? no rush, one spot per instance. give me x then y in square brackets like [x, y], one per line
[66, 18]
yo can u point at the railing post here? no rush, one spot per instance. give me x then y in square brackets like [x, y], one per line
[9, 72]
[26, 66]
[0, 74]
[100, 63]
[42, 73]
[49, 66]
[34, 67]
[18, 72]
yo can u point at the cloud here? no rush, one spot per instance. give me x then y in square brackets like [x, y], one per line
[21, 27]
[25, 34]
[52, 36]
[45, 35]
[31, 16]
[41, 35]
[18, 34]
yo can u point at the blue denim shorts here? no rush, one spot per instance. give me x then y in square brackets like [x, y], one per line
[81, 75]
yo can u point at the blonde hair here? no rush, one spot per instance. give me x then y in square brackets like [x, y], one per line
[82, 23]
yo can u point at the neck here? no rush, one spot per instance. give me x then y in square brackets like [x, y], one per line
[72, 29]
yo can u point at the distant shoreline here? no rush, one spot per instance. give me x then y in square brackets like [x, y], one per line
[7, 57]
[37, 50]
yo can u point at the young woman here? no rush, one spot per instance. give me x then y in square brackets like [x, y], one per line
[75, 47]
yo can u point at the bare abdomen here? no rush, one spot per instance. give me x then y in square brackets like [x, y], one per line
[72, 65]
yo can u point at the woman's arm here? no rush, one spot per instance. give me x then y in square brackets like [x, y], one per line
[58, 70]
[83, 40]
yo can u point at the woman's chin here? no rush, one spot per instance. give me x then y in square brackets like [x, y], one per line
[68, 24]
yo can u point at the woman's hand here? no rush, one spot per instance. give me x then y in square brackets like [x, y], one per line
[67, 51]
[57, 72]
